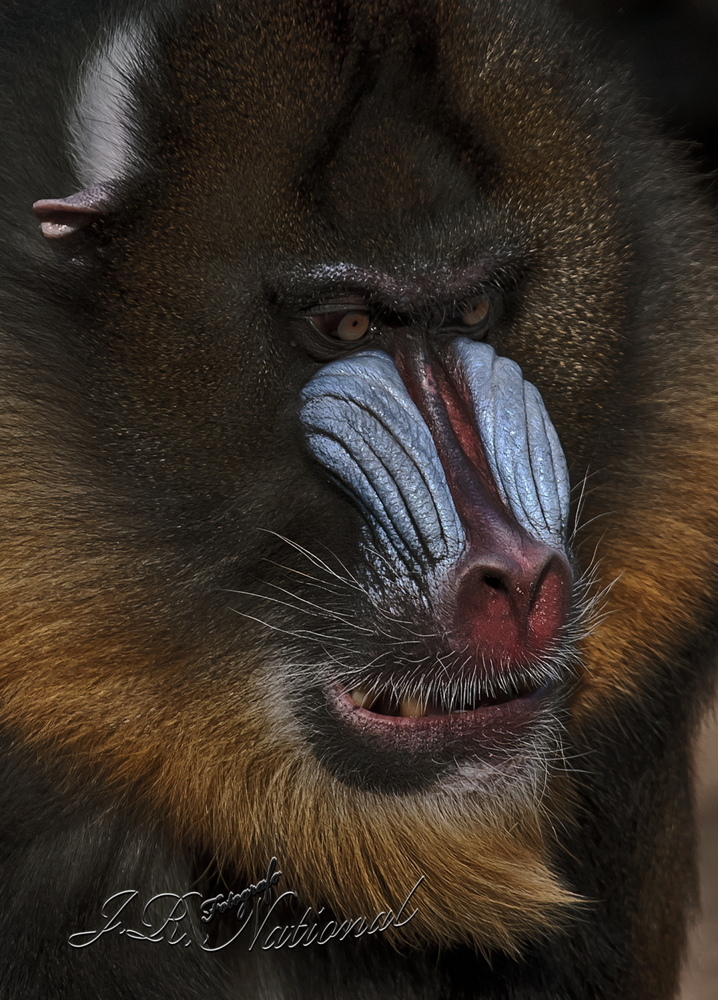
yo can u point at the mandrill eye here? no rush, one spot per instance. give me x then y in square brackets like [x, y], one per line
[476, 312]
[470, 318]
[346, 326]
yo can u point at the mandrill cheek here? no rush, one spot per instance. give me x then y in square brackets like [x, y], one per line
[463, 487]
[363, 427]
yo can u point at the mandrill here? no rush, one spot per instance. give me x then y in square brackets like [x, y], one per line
[359, 449]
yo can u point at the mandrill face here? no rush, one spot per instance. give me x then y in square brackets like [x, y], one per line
[461, 484]
[378, 360]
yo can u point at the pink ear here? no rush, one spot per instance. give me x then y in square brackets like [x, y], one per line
[61, 217]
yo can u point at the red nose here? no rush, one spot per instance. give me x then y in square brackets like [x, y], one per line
[512, 606]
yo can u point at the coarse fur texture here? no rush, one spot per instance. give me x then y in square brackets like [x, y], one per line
[180, 579]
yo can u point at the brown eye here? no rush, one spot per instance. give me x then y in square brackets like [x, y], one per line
[353, 326]
[475, 313]
[346, 326]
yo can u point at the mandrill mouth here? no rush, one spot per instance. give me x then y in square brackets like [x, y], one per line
[386, 703]
[481, 716]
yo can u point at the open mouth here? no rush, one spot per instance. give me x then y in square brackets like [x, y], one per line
[390, 705]
[470, 721]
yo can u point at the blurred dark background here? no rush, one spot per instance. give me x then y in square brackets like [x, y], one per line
[672, 48]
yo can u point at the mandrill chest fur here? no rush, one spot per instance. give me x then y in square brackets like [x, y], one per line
[358, 448]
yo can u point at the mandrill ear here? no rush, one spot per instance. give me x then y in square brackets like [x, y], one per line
[62, 217]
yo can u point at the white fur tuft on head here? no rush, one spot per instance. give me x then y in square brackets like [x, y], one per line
[100, 124]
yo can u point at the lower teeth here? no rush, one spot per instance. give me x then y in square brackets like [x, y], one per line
[413, 707]
[407, 708]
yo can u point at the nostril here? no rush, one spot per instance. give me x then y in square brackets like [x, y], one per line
[518, 608]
